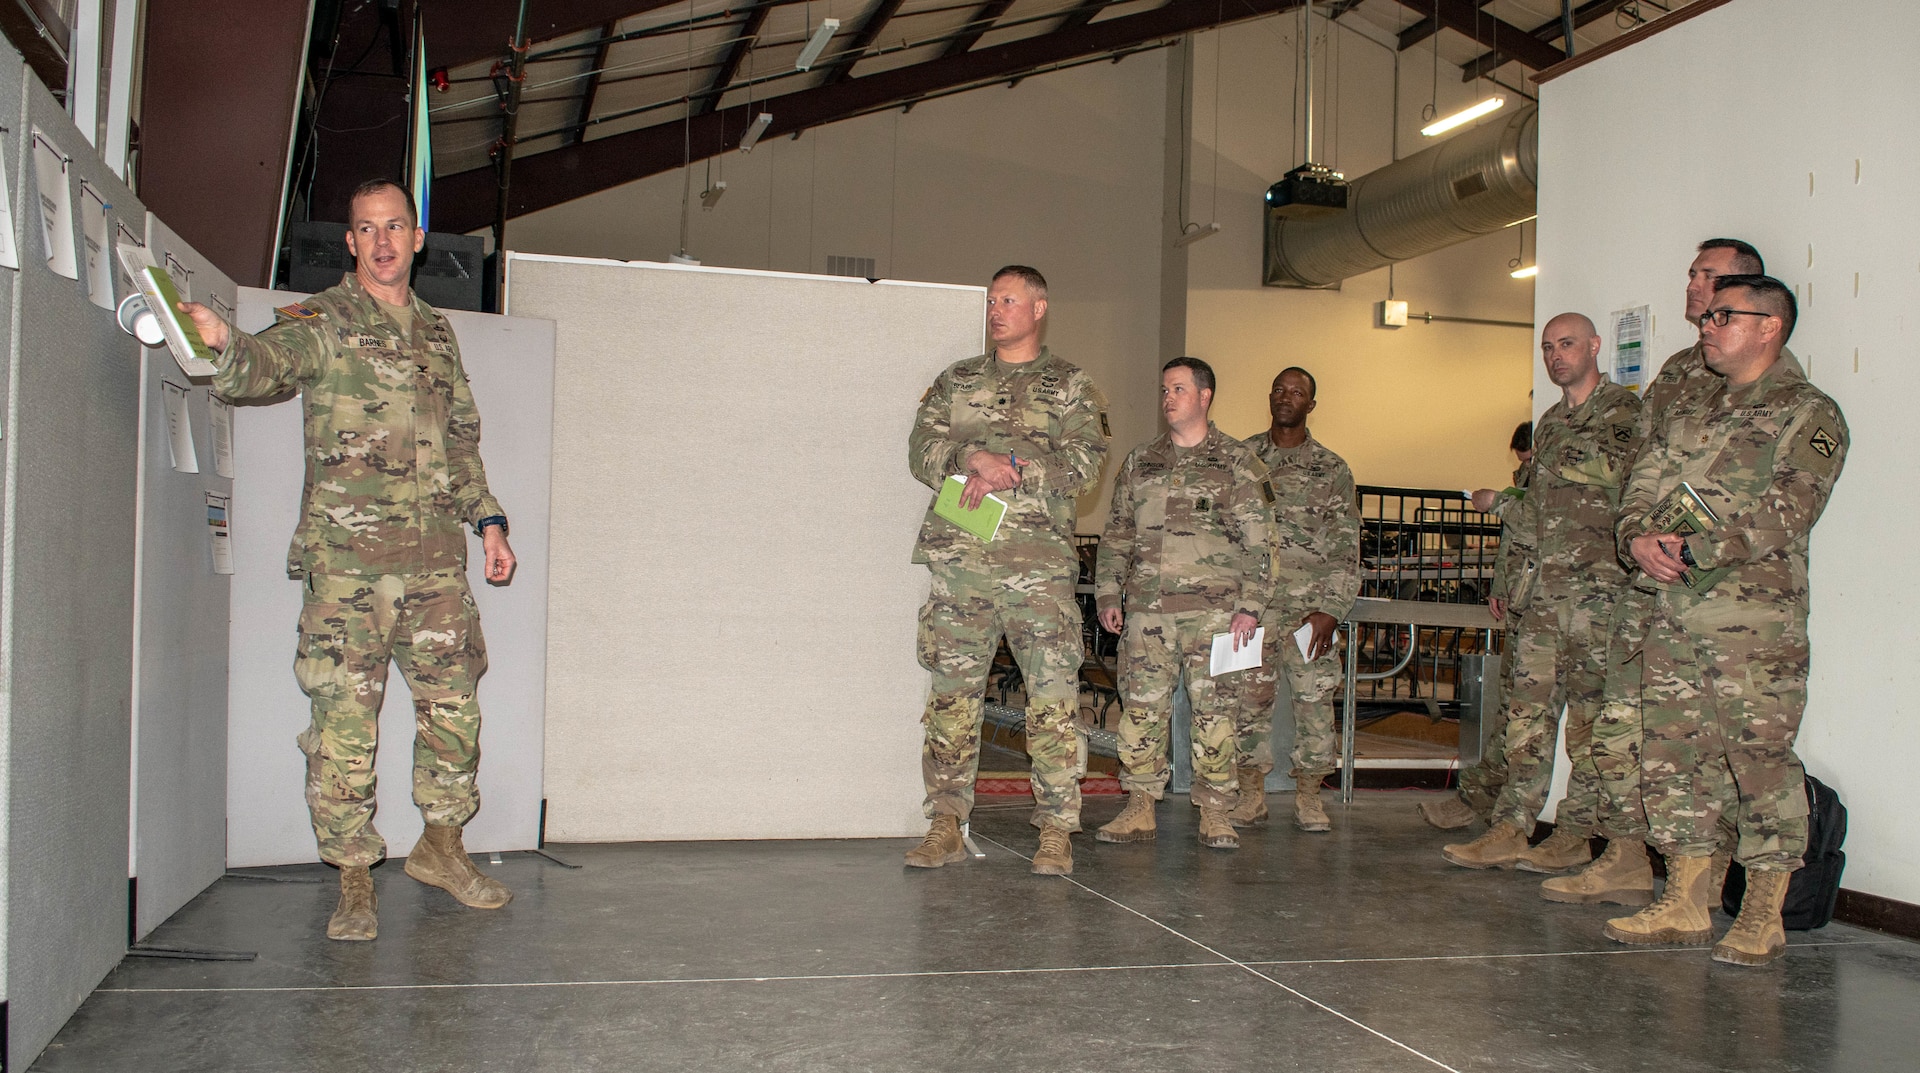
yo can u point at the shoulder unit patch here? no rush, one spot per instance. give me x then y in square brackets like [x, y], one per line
[297, 311]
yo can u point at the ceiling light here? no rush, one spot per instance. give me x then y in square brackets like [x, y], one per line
[1525, 273]
[1465, 115]
[754, 130]
[1196, 233]
[828, 27]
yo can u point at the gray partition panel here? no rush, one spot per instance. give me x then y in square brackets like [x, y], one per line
[10, 142]
[72, 449]
[509, 361]
[180, 639]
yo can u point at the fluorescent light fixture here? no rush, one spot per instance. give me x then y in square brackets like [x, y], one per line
[828, 27]
[754, 130]
[1465, 115]
[711, 195]
[1188, 238]
[1526, 273]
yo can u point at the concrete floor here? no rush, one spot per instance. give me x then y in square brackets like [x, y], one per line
[1361, 950]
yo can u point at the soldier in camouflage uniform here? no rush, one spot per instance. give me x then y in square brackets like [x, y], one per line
[1030, 428]
[1317, 581]
[1560, 586]
[1726, 658]
[393, 478]
[1622, 874]
[1480, 784]
[1186, 555]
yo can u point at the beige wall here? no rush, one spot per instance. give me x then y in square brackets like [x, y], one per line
[1068, 171]
[1428, 405]
[1063, 172]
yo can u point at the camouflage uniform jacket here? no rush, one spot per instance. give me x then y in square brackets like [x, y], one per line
[1191, 529]
[1046, 411]
[1563, 529]
[1764, 456]
[1684, 373]
[1313, 491]
[393, 437]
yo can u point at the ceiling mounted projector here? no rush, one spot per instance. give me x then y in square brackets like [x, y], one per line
[1307, 191]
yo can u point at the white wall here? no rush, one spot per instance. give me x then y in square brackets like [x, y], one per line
[1798, 102]
[1428, 405]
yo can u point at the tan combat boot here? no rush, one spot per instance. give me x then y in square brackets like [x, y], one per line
[1055, 855]
[1500, 847]
[1620, 876]
[1448, 813]
[1134, 824]
[1563, 850]
[354, 918]
[440, 859]
[1308, 813]
[1717, 875]
[1252, 809]
[942, 845]
[1679, 916]
[1757, 935]
[1216, 831]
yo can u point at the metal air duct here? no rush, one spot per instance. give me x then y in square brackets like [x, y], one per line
[1469, 185]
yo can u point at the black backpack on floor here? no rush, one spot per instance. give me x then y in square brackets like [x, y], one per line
[1813, 889]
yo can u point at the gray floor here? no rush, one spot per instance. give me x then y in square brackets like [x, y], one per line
[1361, 950]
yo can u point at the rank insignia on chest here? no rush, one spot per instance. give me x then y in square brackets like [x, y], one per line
[1266, 489]
[297, 311]
[1823, 443]
[1623, 433]
[1203, 503]
[1104, 429]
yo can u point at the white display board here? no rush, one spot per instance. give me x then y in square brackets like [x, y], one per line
[509, 362]
[1824, 190]
[734, 603]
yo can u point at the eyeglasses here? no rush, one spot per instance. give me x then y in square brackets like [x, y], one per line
[1720, 317]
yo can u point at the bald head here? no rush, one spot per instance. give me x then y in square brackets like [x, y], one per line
[1570, 348]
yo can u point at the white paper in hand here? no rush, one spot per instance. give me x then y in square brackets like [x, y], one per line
[1226, 660]
[1304, 637]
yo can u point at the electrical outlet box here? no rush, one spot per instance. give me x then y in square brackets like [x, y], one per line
[1390, 314]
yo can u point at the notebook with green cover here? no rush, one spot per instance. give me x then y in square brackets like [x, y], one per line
[1683, 512]
[983, 521]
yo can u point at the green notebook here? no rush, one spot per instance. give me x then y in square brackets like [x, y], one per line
[983, 521]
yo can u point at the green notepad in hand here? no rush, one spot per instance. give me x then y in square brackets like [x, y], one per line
[1684, 513]
[983, 521]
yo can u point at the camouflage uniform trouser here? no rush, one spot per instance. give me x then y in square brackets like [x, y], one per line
[1155, 652]
[960, 630]
[1724, 689]
[1558, 650]
[1311, 685]
[351, 628]
[1616, 731]
[1480, 785]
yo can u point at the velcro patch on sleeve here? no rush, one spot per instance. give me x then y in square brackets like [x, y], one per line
[1816, 449]
[297, 311]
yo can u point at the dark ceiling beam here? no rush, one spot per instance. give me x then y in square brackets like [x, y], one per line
[730, 66]
[1426, 26]
[1082, 14]
[1464, 17]
[1485, 63]
[42, 39]
[978, 24]
[464, 201]
[460, 32]
[842, 66]
[592, 88]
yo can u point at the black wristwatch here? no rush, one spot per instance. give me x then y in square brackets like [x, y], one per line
[1686, 555]
[480, 527]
